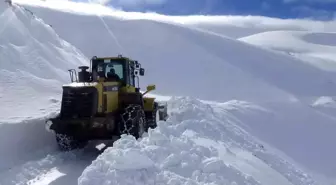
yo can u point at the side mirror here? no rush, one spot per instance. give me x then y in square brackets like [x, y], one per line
[150, 88]
[142, 71]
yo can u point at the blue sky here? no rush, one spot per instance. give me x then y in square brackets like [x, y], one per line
[316, 9]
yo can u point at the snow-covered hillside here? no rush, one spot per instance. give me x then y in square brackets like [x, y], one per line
[242, 26]
[175, 56]
[244, 114]
[316, 48]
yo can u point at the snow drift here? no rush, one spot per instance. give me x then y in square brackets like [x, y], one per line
[34, 63]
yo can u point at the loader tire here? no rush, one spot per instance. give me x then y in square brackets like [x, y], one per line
[68, 143]
[133, 121]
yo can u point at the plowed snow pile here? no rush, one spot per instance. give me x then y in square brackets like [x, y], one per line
[200, 144]
[33, 64]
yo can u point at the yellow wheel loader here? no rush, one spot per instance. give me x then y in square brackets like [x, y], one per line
[104, 103]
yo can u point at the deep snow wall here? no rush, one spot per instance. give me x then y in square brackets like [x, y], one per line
[34, 64]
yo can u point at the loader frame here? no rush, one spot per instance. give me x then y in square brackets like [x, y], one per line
[94, 108]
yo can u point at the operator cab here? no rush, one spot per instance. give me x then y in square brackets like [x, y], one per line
[111, 72]
[109, 69]
[120, 69]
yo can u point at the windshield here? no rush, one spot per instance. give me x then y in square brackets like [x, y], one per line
[112, 69]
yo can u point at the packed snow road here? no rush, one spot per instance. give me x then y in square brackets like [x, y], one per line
[200, 143]
[29, 156]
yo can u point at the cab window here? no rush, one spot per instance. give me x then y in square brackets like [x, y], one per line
[117, 67]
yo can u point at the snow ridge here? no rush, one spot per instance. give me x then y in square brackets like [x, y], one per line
[315, 48]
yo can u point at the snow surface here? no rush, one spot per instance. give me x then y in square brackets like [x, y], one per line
[241, 111]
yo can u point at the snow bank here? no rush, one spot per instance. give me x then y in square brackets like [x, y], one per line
[198, 145]
[33, 66]
[34, 63]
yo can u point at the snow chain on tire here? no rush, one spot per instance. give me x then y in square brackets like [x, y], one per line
[133, 121]
[68, 143]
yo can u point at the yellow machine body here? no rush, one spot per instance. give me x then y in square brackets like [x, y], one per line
[105, 102]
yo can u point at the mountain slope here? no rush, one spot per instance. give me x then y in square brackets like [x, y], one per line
[175, 56]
